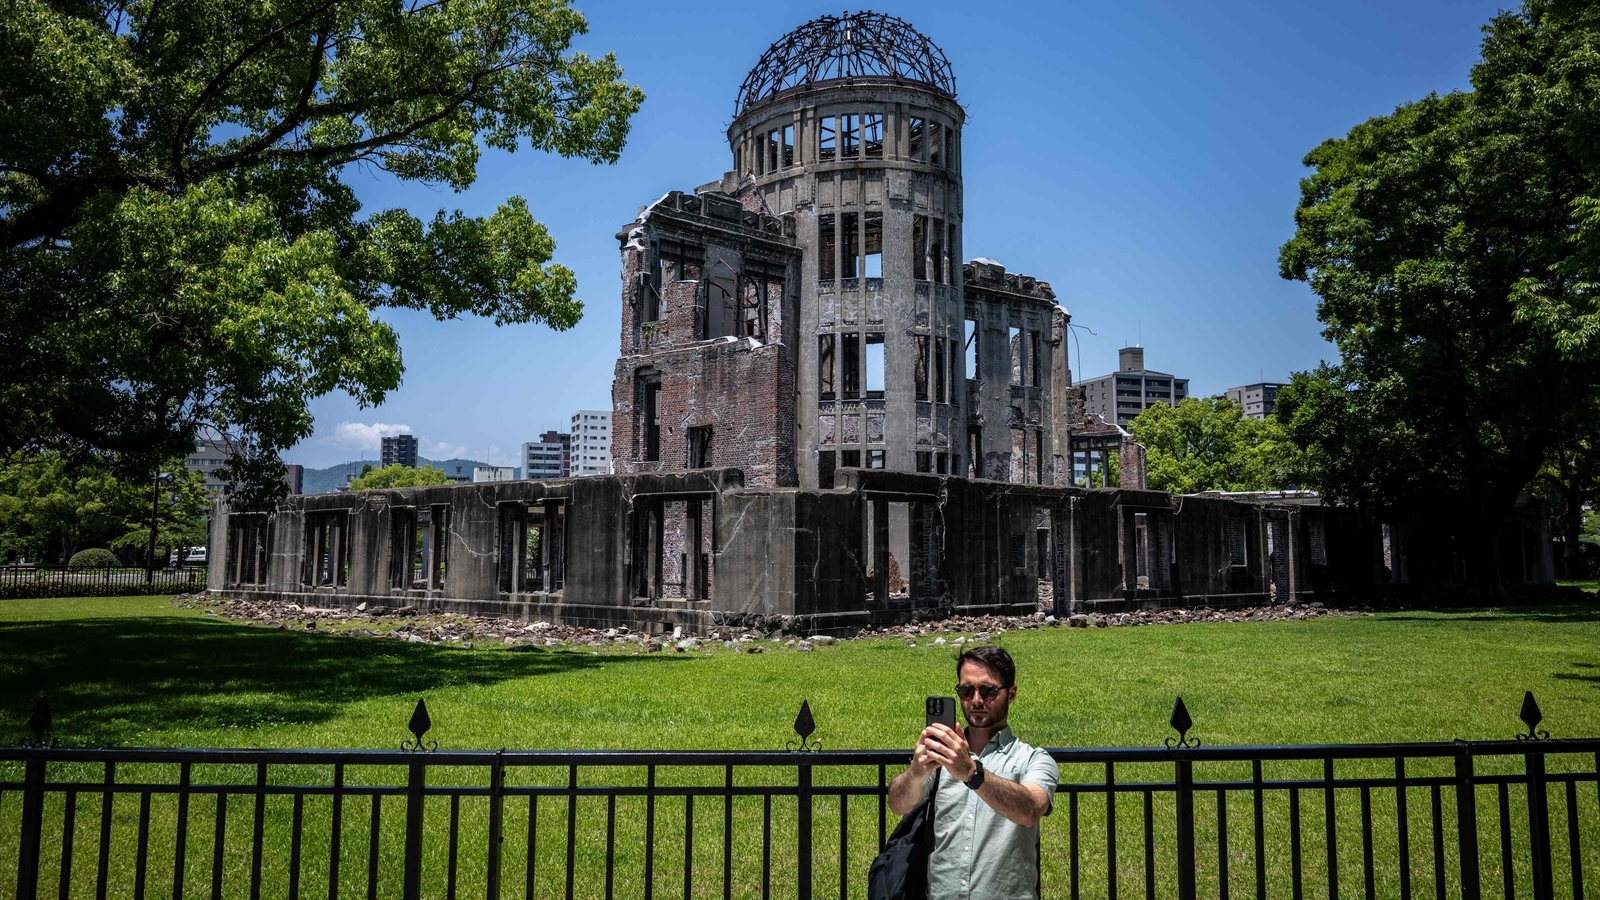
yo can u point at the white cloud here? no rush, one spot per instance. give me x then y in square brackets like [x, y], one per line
[364, 436]
[440, 449]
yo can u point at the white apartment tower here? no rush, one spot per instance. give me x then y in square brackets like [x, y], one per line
[591, 442]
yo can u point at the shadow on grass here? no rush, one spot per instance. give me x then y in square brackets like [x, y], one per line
[110, 680]
[1592, 679]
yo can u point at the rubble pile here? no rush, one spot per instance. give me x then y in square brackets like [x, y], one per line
[409, 624]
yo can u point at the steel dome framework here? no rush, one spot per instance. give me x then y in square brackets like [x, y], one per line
[836, 48]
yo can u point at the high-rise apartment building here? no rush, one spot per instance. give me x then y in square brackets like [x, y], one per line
[548, 457]
[1120, 396]
[1258, 400]
[591, 442]
[401, 449]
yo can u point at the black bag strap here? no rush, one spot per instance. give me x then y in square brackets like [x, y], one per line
[933, 794]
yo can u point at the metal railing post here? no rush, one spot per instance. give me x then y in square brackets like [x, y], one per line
[1186, 861]
[32, 831]
[1539, 828]
[497, 804]
[415, 782]
[1467, 824]
[803, 837]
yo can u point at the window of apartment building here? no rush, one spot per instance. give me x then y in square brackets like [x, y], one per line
[827, 138]
[875, 366]
[825, 344]
[852, 366]
[826, 241]
[826, 463]
[700, 447]
[918, 137]
[872, 135]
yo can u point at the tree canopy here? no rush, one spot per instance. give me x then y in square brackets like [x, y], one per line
[397, 476]
[1207, 444]
[50, 510]
[180, 253]
[1452, 246]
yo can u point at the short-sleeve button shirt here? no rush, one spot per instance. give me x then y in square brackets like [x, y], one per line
[978, 853]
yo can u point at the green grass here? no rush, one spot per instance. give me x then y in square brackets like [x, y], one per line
[143, 672]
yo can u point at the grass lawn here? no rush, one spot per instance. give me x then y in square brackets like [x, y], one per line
[143, 672]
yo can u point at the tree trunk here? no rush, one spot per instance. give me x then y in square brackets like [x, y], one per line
[1486, 520]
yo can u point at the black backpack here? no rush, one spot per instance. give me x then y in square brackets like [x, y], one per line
[901, 871]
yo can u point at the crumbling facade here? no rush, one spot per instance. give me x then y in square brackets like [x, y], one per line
[822, 420]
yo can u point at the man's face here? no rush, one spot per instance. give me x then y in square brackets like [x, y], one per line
[981, 713]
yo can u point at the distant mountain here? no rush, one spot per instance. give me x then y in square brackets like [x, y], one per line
[321, 481]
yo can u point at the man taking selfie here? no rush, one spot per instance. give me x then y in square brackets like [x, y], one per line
[992, 792]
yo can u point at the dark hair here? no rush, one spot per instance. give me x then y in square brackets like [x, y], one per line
[993, 658]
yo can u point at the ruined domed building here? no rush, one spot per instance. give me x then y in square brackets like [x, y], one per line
[824, 419]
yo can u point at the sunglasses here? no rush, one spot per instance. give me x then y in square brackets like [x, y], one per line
[987, 691]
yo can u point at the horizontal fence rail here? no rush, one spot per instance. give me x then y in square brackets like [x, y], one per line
[31, 582]
[1516, 818]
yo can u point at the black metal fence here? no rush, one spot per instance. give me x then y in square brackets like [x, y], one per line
[1515, 818]
[26, 582]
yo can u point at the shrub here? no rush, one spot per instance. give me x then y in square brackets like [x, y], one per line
[94, 558]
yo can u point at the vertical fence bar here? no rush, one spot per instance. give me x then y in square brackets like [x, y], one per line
[32, 830]
[688, 848]
[1294, 842]
[1467, 825]
[335, 825]
[497, 810]
[453, 858]
[416, 783]
[533, 847]
[182, 836]
[1574, 846]
[1508, 872]
[1402, 826]
[258, 831]
[1330, 828]
[649, 835]
[572, 828]
[1539, 827]
[296, 827]
[141, 857]
[372, 848]
[103, 865]
[803, 835]
[1072, 851]
[1149, 846]
[1260, 834]
[1222, 844]
[219, 846]
[766, 847]
[1368, 885]
[1184, 777]
[1111, 831]
[1438, 842]
[727, 834]
[68, 829]
[611, 844]
[883, 806]
[844, 847]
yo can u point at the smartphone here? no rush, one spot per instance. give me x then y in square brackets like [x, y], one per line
[942, 709]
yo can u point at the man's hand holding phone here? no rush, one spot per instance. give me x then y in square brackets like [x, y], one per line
[940, 744]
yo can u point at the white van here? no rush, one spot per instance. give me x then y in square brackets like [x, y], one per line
[196, 556]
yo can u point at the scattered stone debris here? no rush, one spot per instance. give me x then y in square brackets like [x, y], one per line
[406, 623]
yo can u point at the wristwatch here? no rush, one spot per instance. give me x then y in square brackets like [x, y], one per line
[976, 781]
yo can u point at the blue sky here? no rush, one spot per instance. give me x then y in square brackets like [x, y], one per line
[1143, 157]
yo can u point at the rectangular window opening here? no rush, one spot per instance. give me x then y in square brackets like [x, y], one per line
[827, 133]
[849, 136]
[773, 150]
[826, 239]
[825, 370]
[875, 459]
[918, 138]
[651, 412]
[975, 451]
[1014, 341]
[872, 135]
[852, 365]
[919, 248]
[875, 366]
[787, 158]
[921, 342]
[924, 461]
[826, 463]
[1033, 358]
[935, 144]
[938, 371]
[700, 447]
[850, 262]
[850, 459]
[873, 233]
[936, 252]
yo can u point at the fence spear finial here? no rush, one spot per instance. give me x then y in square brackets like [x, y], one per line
[1531, 717]
[1181, 723]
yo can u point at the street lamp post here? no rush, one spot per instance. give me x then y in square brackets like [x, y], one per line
[155, 510]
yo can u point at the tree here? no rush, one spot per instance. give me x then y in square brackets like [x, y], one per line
[1207, 444]
[398, 476]
[179, 253]
[1445, 241]
[50, 509]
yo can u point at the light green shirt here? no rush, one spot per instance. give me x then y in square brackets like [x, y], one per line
[978, 853]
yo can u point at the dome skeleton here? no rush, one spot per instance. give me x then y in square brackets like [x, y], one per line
[836, 48]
